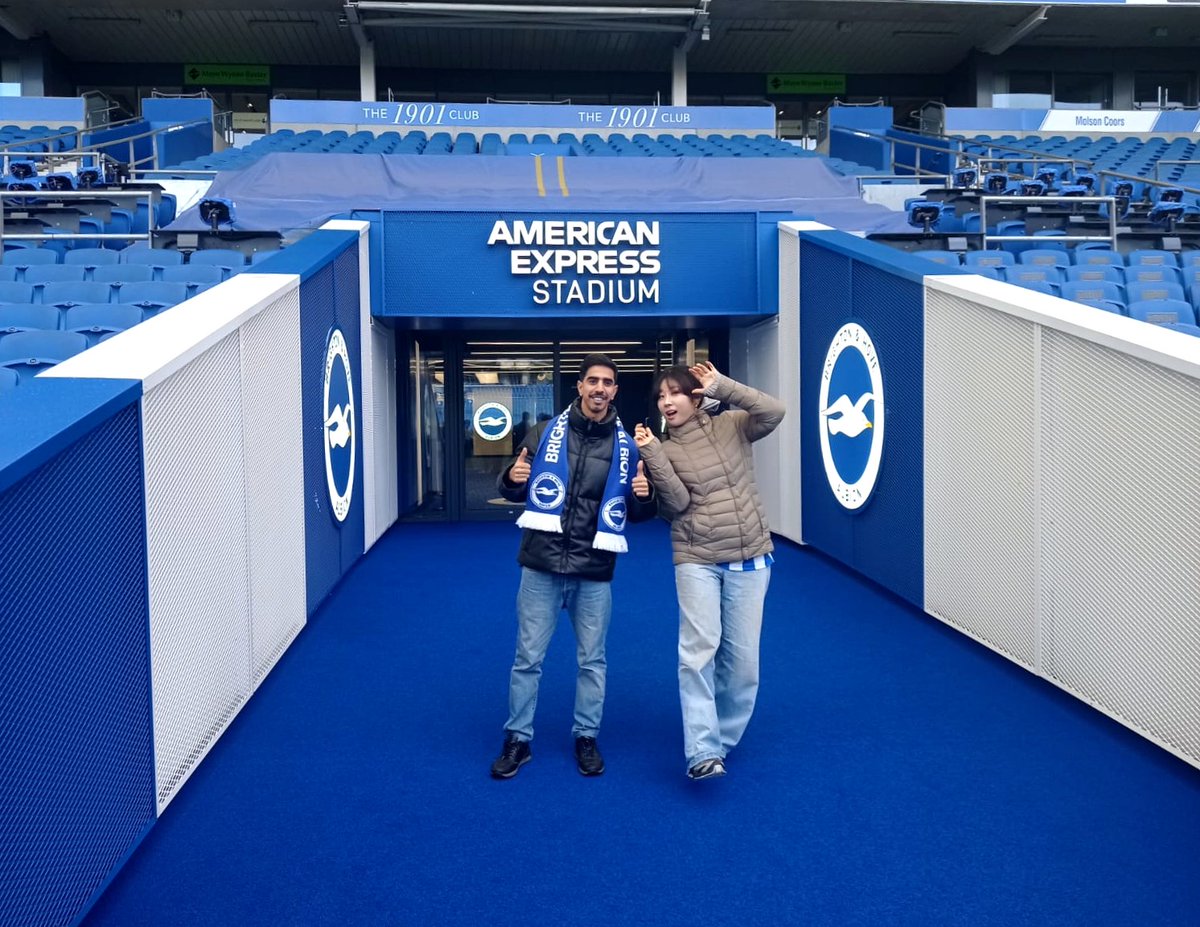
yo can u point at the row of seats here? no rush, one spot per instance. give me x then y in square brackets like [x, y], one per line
[33, 265]
[468, 143]
[37, 139]
[150, 295]
[1107, 153]
[92, 320]
[26, 353]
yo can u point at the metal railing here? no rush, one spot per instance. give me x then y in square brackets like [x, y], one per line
[102, 147]
[61, 198]
[986, 238]
[907, 178]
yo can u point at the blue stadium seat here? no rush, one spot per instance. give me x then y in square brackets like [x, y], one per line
[196, 277]
[55, 273]
[154, 296]
[1186, 327]
[8, 379]
[1080, 290]
[1159, 311]
[231, 261]
[157, 258]
[65, 295]
[1152, 256]
[1111, 272]
[95, 320]
[14, 292]
[1108, 305]
[942, 257]
[1041, 286]
[1142, 291]
[989, 258]
[28, 353]
[120, 274]
[1044, 257]
[1152, 273]
[23, 258]
[91, 258]
[20, 318]
[1097, 256]
[8, 273]
[1025, 274]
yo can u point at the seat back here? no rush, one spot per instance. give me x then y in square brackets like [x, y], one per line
[1158, 311]
[14, 318]
[65, 295]
[98, 319]
[33, 351]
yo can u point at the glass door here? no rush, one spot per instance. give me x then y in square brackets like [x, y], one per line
[508, 386]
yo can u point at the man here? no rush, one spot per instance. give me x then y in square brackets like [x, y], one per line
[579, 477]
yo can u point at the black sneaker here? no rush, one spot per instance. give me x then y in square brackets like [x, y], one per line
[587, 756]
[707, 769]
[516, 753]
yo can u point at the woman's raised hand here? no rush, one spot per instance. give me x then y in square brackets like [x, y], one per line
[642, 435]
[706, 373]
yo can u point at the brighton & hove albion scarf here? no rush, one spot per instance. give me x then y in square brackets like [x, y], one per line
[547, 492]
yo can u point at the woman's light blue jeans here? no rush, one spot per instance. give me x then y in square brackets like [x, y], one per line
[720, 622]
[540, 599]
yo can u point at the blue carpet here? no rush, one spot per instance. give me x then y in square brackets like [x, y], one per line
[895, 773]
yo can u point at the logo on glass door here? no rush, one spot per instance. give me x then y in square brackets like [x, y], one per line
[492, 421]
[852, 423]
[339, 426]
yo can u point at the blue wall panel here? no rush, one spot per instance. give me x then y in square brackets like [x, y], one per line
[884, 538]
[440, 264]
[76, 735]
[328, 299]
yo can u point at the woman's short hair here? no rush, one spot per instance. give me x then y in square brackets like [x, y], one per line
[680, 375]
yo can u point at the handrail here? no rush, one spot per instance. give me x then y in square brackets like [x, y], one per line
[914, 178]
[1111, 237]
[1157, 163]
[6, 152]
[56, 196]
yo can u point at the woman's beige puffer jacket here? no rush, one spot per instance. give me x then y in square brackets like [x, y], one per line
[704, 477]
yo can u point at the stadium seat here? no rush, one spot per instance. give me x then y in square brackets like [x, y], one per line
[1152, 256]
[65, 295]
[30, 352]
[153, 296]
[1080, 290]
[1158, 311]
[55, 273]
[1140, 292]
[1110, 272]
[8, 273]
[1152, 273]
[13, 292]
[91, 258]
[1186, 327]
[232, 261]
[155, 257]
[195, 277]
[1097, 256]
[1044, 257]
[98, 319]
[20, 318]
[942, 257]
[23, 258]
[1107, 305]
[1024, 274]
[8, 379]
[989, 258]
[120, 274]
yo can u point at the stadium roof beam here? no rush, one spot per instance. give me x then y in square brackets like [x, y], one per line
[698, 30]
[1003, 42]
[366, 54]
[413, 13]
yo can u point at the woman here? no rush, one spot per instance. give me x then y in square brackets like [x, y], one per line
[703, 472]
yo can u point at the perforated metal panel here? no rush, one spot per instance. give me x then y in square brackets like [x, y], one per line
[270, 351]
[980, 568]
[76, 758]
[196, 551]
[788, 346]
[1120, 532]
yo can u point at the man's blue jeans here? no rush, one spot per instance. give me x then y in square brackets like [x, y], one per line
[541, 598]
[720, 622]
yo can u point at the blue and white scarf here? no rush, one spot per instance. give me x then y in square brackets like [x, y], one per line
[548, 477]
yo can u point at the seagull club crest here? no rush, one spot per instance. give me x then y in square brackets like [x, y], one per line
[851, 416]
[340, 437]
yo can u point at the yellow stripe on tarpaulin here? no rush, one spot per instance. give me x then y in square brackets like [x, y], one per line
[541, 181]
[562, 176]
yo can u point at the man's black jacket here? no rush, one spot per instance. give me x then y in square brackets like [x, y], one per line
[589, 456]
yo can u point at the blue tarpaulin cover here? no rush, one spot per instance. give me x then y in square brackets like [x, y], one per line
[285, 190]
